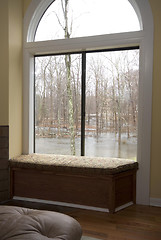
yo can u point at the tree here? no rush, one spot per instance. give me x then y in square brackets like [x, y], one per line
[67, 32]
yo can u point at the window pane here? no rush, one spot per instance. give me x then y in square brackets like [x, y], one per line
[68, 19]
[112, 104]
[57, 104]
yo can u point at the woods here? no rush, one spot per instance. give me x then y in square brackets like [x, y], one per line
[110, 90]
[111, 95]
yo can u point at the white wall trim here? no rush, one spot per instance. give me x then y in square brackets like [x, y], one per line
[33, 16]
[156, 202]
[85, 43]
[144, 39]
[64, 204]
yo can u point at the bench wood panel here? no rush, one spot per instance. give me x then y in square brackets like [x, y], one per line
[111, 191]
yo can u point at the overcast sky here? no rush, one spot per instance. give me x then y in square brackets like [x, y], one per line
[88, 17]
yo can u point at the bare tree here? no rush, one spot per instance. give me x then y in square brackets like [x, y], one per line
[67, 32]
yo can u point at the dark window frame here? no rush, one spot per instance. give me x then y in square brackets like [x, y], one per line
[83, 85]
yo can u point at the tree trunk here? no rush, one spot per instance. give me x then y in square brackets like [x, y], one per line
[68, 75]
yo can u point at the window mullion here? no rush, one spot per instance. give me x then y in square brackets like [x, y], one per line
[83, 103]
[34, 105]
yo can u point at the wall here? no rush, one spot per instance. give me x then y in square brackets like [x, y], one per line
[4, 61]
[15, 76]
[156, 109]
[4, 101]
[11, 12]
[26, 3]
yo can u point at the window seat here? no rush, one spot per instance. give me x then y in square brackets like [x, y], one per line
[101, 183]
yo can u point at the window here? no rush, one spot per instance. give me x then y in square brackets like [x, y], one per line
[141, 37]
[65, 121]
[107, 93]
[68, 19]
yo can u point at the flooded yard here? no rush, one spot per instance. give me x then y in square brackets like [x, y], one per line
[106, 145]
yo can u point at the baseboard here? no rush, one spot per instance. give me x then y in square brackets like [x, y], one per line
[61, 204]
[124, 206]
[155, 202]
[72, 205]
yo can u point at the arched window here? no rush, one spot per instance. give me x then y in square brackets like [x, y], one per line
[81, 43]
[86, 18]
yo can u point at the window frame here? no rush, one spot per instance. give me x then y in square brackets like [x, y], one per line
[83, 88]
[143, 39]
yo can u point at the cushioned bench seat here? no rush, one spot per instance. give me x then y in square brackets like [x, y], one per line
[21, 223]
[99, 182]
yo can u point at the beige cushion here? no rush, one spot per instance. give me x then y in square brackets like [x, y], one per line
[73, 164]
[18, 223]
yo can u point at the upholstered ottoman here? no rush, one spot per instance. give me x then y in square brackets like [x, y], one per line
[18, 223]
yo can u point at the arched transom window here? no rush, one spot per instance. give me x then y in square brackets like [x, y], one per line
[70, 18]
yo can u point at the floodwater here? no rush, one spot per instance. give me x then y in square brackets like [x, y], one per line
[106, 145]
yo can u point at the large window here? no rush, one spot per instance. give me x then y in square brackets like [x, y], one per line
[92, 26]
[87, 103]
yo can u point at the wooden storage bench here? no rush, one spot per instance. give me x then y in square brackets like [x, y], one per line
[103, 183]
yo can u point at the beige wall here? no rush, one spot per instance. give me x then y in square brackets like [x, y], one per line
[15, 8]
[25, 5]
[11, 71]
[4, 62]
[156, 106]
